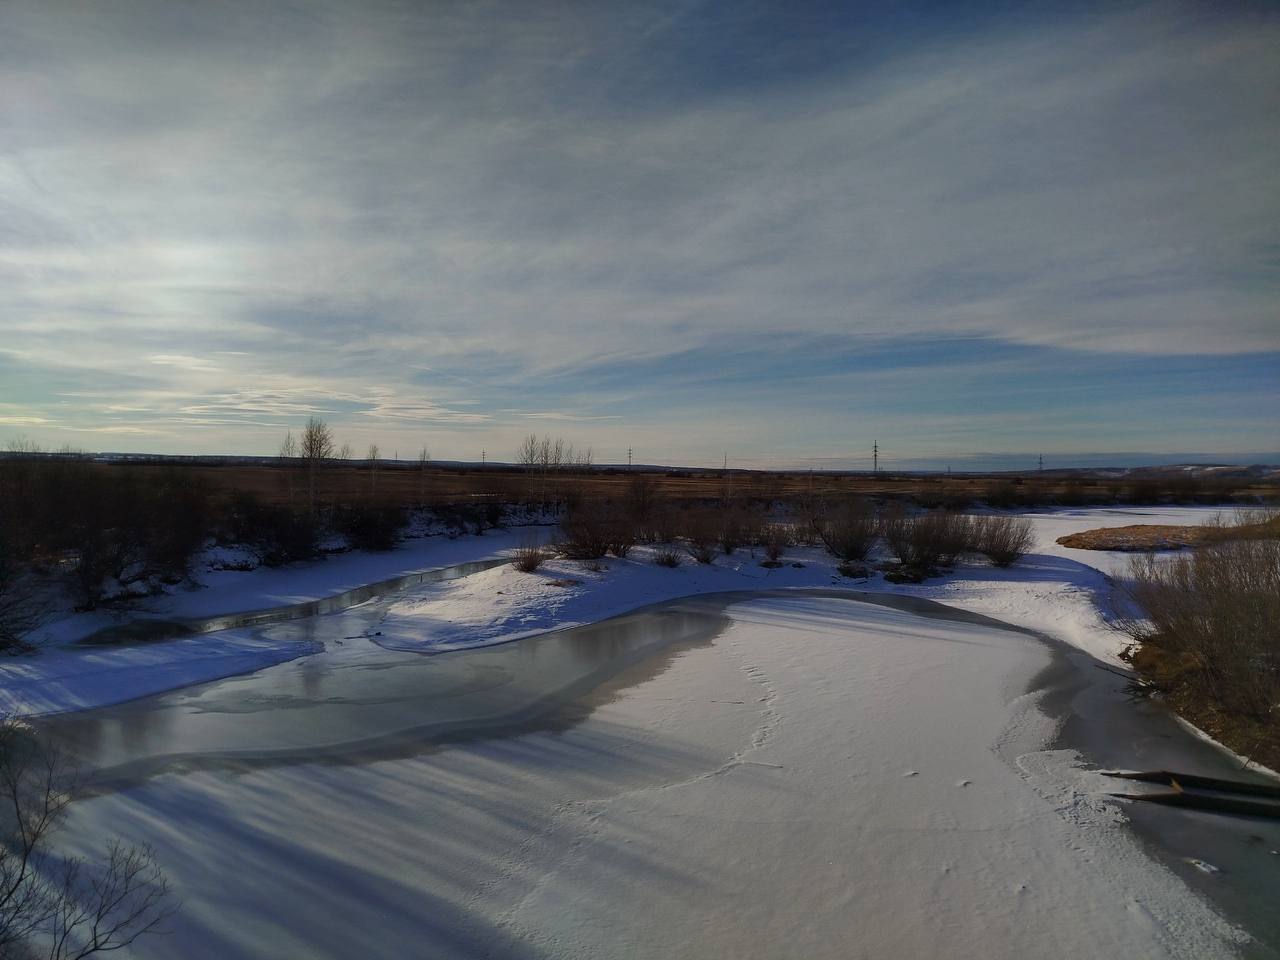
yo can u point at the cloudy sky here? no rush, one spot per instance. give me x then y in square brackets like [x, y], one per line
[774, 230]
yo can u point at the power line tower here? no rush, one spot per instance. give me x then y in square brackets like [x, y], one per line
[875, 457]
[628, 456]
[482, 458]
[1041, 467]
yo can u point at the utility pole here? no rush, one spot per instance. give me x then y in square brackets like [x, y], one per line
[875, 458]
[726, 462]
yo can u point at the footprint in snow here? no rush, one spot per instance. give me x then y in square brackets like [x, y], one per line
[911, 773]
[963, 783]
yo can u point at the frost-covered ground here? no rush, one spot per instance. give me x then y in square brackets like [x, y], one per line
[1060, 591]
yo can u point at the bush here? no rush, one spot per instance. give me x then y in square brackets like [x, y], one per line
[278, 534]
[588, 532]
[1210, 638]
[58, 907]
[927, 539]
[702, 535]
[733, 530]
[776, 539]
[667, 557]
[370, 527]
[529, 557]
[956, 535]
[849, 531]
[1003, 540]
[22, 606]
[1003, 495]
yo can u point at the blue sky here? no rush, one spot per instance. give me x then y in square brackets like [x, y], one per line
[975, 233]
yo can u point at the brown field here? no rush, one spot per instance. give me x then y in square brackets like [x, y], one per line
[1147, 537]
[403, 484]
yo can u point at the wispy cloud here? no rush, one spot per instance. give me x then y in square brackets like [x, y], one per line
[239, 215]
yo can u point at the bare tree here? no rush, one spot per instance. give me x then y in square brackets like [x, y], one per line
[288, 454]
[424, 461]
[372, 459]
[22, 604]
[64, 909]
[345, 453]
[315, 448]
[528, 457]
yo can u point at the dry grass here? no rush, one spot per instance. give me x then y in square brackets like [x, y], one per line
[529, 557]
[667, 557]
[1257, 523]
[1136, 537]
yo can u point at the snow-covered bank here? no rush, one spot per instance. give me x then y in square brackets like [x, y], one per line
[1057, 590]
[61, 676]
[223, 591]
[827, 779]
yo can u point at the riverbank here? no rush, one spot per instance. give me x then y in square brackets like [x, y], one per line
[1063, 592]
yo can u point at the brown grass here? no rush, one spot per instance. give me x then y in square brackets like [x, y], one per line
[1136, 537]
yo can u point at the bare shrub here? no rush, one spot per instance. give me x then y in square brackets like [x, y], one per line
[1003, 495]
[666, 557]
[702, 534]
[22, 603]
[663, 525]
[588, 533]
[911, 538]
[733, 530]
[703, 551]
[641, 499]
[1003, 540]
[1211, 628]
[849, 530]
[529, 556]
[54, 907]
[776, 539]
[368, 527]
[622, 537]
[955, 533]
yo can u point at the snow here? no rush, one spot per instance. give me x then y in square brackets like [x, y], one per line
[827, 779]
[1062, 592]
[1066, 593]
[824, 779]
[71, 678]
[61, 676]
[222, 591]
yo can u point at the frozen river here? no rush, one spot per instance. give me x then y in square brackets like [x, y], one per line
[775, 775]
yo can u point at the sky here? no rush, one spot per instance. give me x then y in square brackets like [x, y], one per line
[773, 232]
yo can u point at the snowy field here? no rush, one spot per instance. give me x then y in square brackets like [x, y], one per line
[1062, 592]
